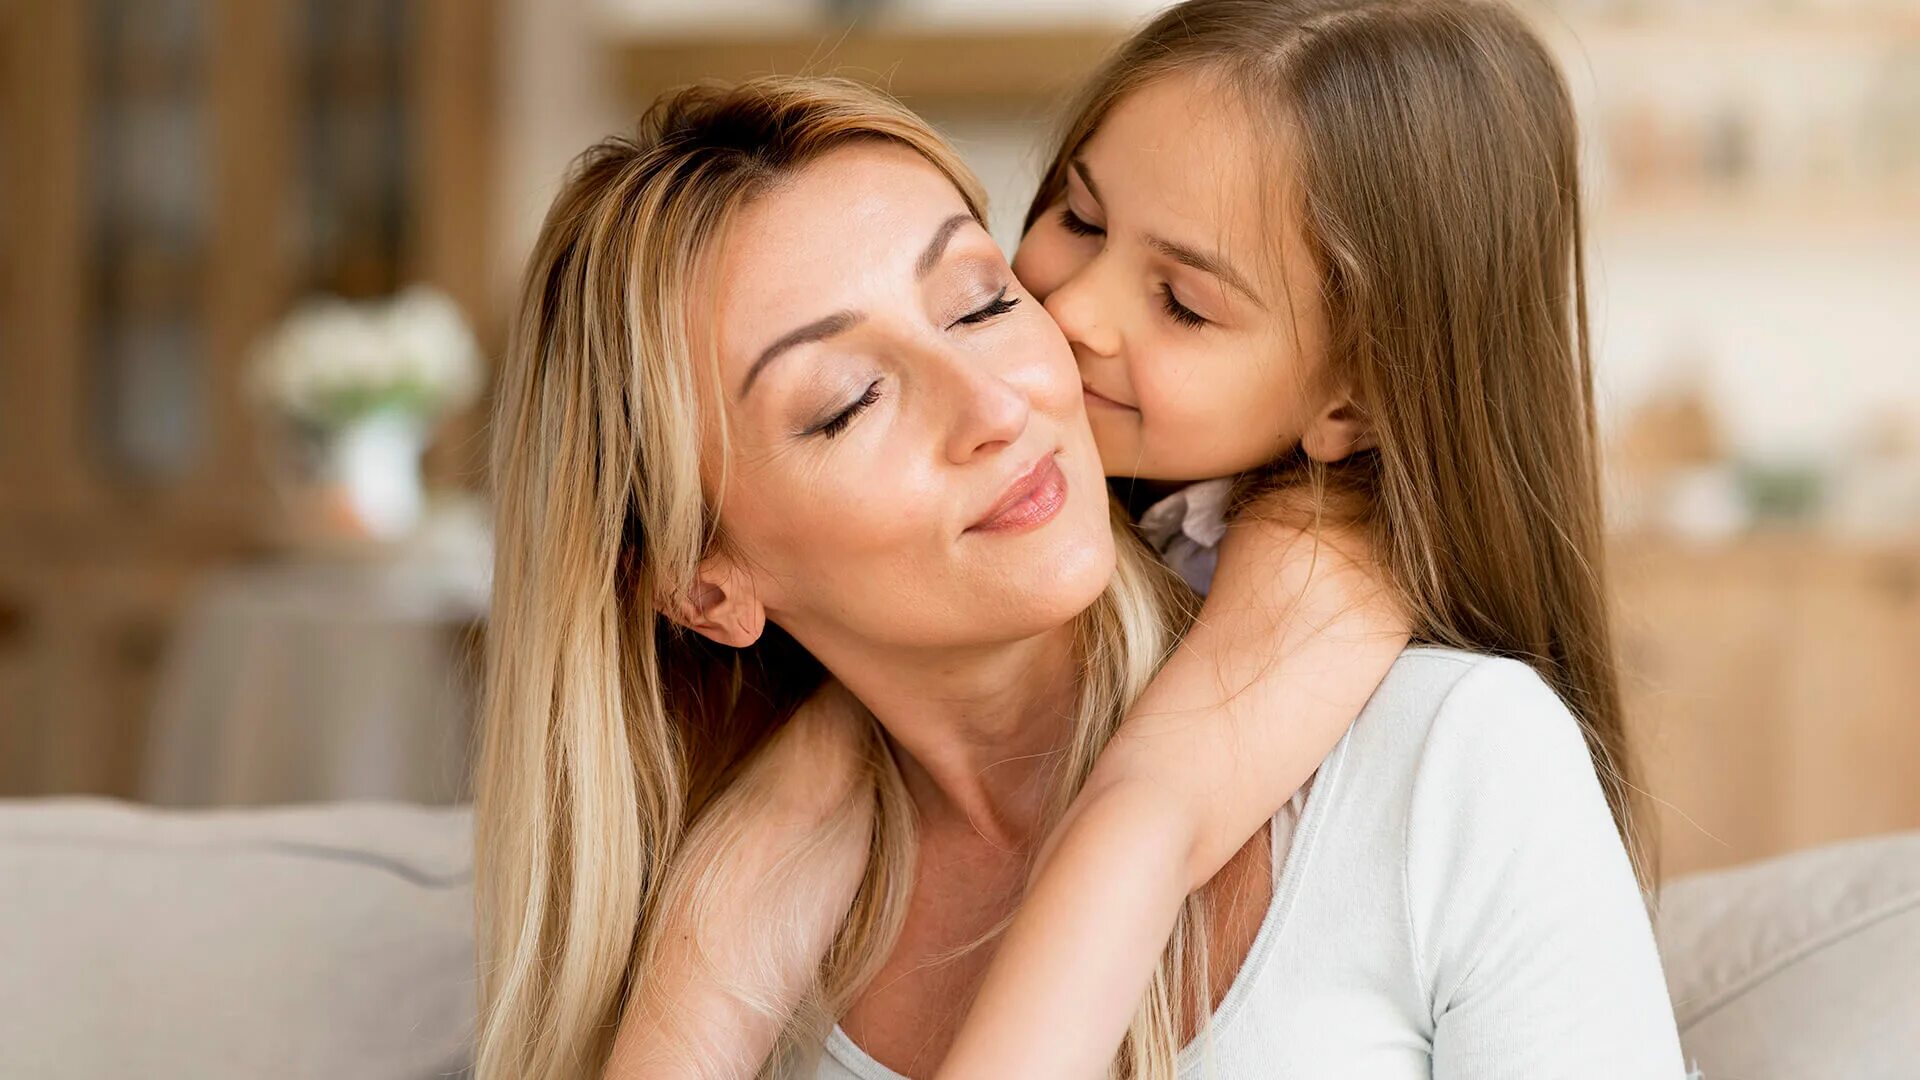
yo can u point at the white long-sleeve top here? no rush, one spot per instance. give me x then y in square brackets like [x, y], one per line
[1454, 902]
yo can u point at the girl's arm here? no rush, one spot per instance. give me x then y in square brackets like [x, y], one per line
[1293, 639]
[775, 863]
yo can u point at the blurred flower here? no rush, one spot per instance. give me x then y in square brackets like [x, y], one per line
[331, 362]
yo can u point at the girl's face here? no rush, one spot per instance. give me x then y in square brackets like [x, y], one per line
[1184, 287]
[908, 459]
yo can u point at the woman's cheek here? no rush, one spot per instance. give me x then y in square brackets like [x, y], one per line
[1048, 372]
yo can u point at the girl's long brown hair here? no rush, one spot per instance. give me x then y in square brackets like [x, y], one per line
[1435, 165]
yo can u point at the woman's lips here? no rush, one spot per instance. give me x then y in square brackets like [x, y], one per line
[1031, 501]
[1094, 397]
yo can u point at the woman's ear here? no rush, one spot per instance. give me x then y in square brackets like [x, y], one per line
[1340, 430]
[722, 605]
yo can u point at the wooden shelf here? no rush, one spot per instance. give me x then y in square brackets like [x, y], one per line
[1770, 687]
[1784, 214]
[927, 68]
[1710, 31]
[94, 561]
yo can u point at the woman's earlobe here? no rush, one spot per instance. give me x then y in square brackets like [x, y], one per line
[721, 605]
[1341, 431]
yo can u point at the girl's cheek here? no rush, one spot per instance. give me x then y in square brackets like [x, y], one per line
[1044, 262]
[1159, 387]
[1033, 267]
[1184, 400]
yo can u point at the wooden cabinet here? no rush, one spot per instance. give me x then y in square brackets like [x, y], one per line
[174, 174]
[1774, 685]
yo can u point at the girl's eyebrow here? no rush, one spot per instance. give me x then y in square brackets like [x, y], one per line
[1181, 253]
[1079, 165]
[1206, 264]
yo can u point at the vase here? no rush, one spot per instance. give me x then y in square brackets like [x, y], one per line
[373, 466]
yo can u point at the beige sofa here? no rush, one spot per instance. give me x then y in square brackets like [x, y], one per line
[333, 941]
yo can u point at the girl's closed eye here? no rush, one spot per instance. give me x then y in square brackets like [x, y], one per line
[1078, 225]
[1178, 311]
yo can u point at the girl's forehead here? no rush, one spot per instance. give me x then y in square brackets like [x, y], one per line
[1184, 159]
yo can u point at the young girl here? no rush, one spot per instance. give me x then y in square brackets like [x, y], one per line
[1320, 262]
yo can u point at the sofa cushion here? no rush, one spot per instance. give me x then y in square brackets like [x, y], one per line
[1801, 966]
[335, 941]
[309, 941]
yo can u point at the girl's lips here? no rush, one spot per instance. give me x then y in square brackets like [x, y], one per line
[1031, 501]
[1094, 397]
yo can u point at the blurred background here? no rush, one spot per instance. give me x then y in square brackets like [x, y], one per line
[259, 254]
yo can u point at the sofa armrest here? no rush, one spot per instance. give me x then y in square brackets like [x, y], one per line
[1802, 966]
[329, 940]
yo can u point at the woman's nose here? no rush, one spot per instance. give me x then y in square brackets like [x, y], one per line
[1076, 305]
[993, 411]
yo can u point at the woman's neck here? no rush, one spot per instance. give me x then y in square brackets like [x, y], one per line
[979, 730]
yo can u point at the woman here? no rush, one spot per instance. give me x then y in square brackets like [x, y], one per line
[632, 482]
[809, 240]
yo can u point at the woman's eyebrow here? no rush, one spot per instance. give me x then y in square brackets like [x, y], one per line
[937, 247]
[818, 330]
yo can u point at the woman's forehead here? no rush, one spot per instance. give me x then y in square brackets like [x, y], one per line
[849, 207]
[839, 231]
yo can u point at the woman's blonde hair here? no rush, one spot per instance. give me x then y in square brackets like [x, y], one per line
[606, 731]
[1436, 171]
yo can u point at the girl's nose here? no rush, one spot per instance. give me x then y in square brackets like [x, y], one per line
[1076, 305]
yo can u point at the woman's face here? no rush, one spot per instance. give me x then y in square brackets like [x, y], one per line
[1184, 288]
[910, 463]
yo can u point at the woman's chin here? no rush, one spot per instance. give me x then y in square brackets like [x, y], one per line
[1055, 587]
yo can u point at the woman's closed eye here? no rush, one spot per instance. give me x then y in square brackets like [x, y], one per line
[992, 309]
[833, 425]
[837, 423]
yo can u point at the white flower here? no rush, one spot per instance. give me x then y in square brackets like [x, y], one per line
[331, 361]
[434, 346]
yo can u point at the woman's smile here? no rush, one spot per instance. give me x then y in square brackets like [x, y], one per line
[1032, 500]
